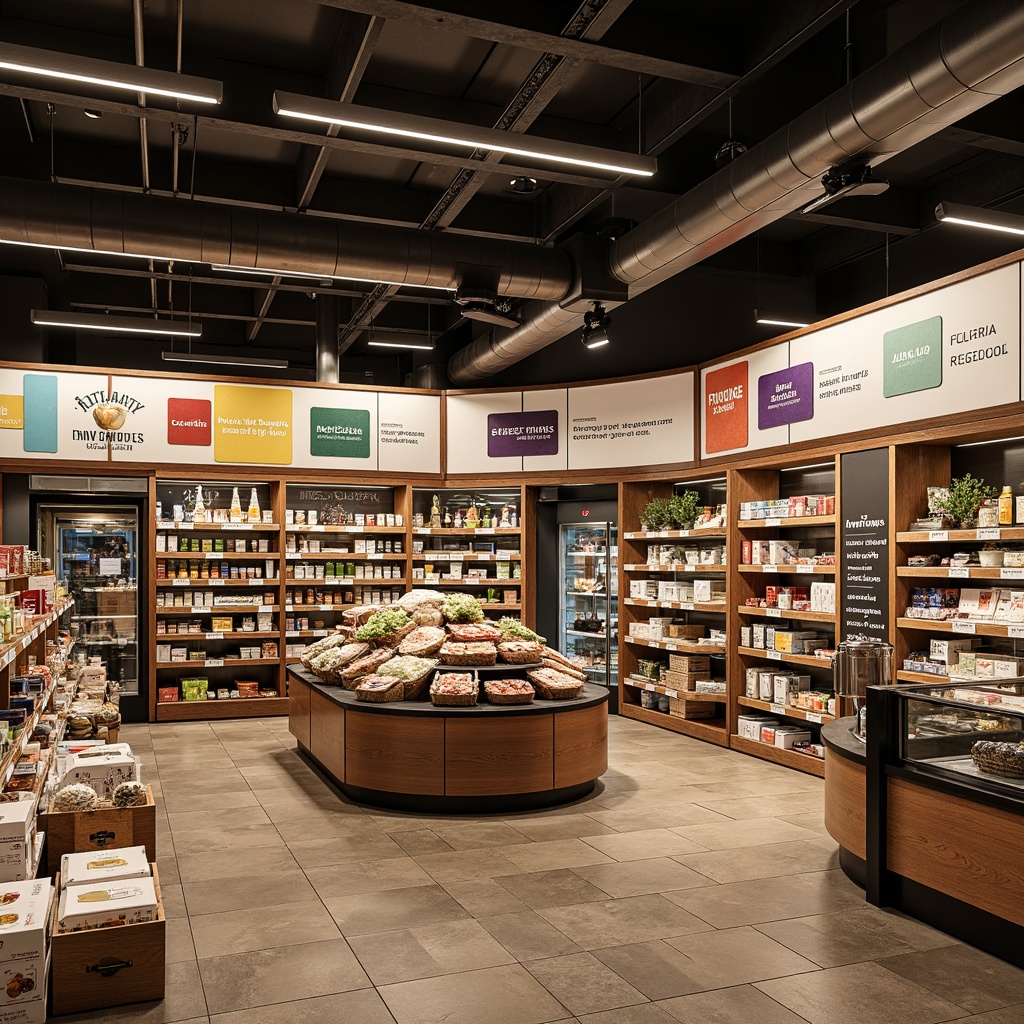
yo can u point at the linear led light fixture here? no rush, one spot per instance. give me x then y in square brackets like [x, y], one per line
[73, 68]
[193, 357]
[976, 217]
[229, 268]
[93, 252]
[412, 126]
[123, 324]
[995, 440]
[419, 343]
[761, 317]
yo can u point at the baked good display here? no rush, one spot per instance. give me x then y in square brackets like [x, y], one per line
[320, 646]
[422, 641]
[553, 685]
[473, 632]
[560, 663]
[414, 673]
[380, 688]
[387, 626]
[328, 664]
[78, 797]
[520, 652]
[129, 794]
[508, 691]
[454, 689]
[368, 664]
[479, 653]
[513, 629]
[1003, 759]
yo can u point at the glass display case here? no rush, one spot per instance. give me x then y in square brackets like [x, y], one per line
[588, 620]
[973, 729]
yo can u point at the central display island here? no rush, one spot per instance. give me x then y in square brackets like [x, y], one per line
[411, 755]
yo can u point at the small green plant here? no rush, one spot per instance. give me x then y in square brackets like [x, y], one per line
[964, 499]
[684, 509]
[655, 515]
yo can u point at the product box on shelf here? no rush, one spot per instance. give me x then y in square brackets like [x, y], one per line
[787, 735]
[823, 598]
[709, 591]
[639, 630]
[98, 830]
[101, 769]
[786, 684]
[948, 651]
[24, 951]
[781, 552]
[765, 684]
[692, 709]
[97, 904]
[657, 626]
[749, 726]
[17, 832]
[791, 641]
[103, 868]
[76, 986]
[689, 663]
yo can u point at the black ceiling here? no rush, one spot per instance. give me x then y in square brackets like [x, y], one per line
[653, 75]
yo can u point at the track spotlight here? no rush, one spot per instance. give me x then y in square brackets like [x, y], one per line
[846, 180]
[595, 327]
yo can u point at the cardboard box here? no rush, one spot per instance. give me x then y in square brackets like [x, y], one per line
[823, 597]
[692, 709]
[708, 591]
[787, 735]
[104, 967]
[781, 552]
[101, 769]
[98, 830]
[119, 903]
[785, 684]
[789, 641]
[101, 868]
[948, 651]
[24, 952]
[689, 663]
[17, 831]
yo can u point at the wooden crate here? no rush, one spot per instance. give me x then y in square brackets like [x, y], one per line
[692, 709]
[101, 967]
[689, 662]
[102, 829]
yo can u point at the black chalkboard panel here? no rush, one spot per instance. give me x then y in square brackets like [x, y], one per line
[864, 545]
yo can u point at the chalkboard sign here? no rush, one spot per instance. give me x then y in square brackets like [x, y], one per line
[864, 546]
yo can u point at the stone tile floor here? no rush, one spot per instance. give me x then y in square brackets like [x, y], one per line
[695, 884]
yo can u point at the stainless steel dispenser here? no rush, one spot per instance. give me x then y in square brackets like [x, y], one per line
[858, 665]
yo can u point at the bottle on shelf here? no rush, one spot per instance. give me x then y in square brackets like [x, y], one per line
[199, 512]
[254, 508]
[236, 506]
[1006, 506]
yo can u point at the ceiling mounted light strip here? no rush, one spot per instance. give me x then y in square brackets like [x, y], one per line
[412, 126]
[418, 343]
[977, 217]
[229, 268]
[122, 324]
[193, 357]
[761, 317]
[73, 68]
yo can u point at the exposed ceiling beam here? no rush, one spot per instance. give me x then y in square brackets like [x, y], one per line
[983, 140]
[542, 42]
[262, 301]
[196, 314]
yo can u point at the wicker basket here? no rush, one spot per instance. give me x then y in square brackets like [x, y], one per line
[469, 654]
[474, 632]
[364, 666]
[565, 670]
[553, 685]
[415, 689]
[467, 696]
[423, 641]
[1003, 759]
[379, 689]
[495, 696]
[520, 652]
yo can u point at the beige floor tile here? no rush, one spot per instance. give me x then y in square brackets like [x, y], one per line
[757, 785]
[468, 864]
[640, 877]
[167, 866]
[582, 984]
[498, 995]
[188, 820]
[421, 842]
[263, 927]
[642, 1013]
[739, 903]
[356, 877]
[290, 807]
[238, 837]
[559, 853]
[963, 975]
[741, 1005]
[479, 836]
[646, 844]
[527, 936]
[628, 820]
[812, 820]
[273, 975]
[364, 1006]
[342, 821]
[484, 897]
[1005, 1015]
[763, 806]
[177, 800]
[342, 849]
[398, 908]
[617, 922]
[567, 826]
[750, 862]
[731, 835]
[831, 940]
[219, 895]
[551, 888]
[174, 901]
[859, 993]
[428, 951]
[202, 866]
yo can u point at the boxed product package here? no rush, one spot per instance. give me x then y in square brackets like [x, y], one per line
[103, 867]
[752, 685]
[194, 689]
[24, 951]
[823, 597]
[786, 684]
[102, 769]
[790, 641]
[765, 684]
[105, 903]
[948, 651]
[781, 552]
[708, 591]
[17, 833]
[692, 709]
[749, 726]
[787, 735]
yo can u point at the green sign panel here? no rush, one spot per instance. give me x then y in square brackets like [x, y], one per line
[913, 358]
[339, 433]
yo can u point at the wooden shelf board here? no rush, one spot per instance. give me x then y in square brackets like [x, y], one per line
[465, 556]
[974, 572]
[713, 698]
[354, 530]
[481, 531]
[689, 569]
[715, 532]
[776, 613]
[799, 570]
[685, 606]
[786, 711]
[238, 707]
[219, 609]
[235, 635]
[205, 582]
[946, 626]
[228, 662]
[904, 676]
[711, 730]
[676, 646]
[343, 556]
[217, 556]
[929, 536]
[802, 762]
[771, 524]
[786, 658]
[167, 527]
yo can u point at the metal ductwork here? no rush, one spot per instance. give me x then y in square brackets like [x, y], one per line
[72, 217]
[952, 69]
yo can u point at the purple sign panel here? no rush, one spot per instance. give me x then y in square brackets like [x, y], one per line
[785, 396]
[522, 433]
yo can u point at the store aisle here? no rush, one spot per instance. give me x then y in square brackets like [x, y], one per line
[695, 884]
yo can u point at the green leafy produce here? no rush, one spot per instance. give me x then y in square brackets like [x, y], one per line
[513, 629]
[382, 624]
[407, 667]
[462, 608]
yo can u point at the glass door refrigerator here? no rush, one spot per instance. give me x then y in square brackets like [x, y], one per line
[96, 551]
[588, 619]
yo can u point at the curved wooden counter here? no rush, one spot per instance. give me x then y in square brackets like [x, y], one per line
[412, 755]
[846, 792]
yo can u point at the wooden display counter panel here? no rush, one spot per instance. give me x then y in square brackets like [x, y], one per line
[237, 707]
[768, 752]
[710, 730]
[904, 676]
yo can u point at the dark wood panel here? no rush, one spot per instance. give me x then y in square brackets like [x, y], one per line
[581, 746]
[201, 710]
[492, 758]
[327, 734]
[395, 753]
[963, 849]
[846, 803]
[299, 711]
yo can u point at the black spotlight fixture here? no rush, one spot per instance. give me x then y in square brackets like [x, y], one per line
[846, 180]
[595, 327]
[523, 185]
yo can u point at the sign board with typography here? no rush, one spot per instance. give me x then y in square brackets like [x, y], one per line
[864, 546]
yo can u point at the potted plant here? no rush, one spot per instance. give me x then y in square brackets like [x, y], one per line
[683, 509]
[655, 515]
[964, 499]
